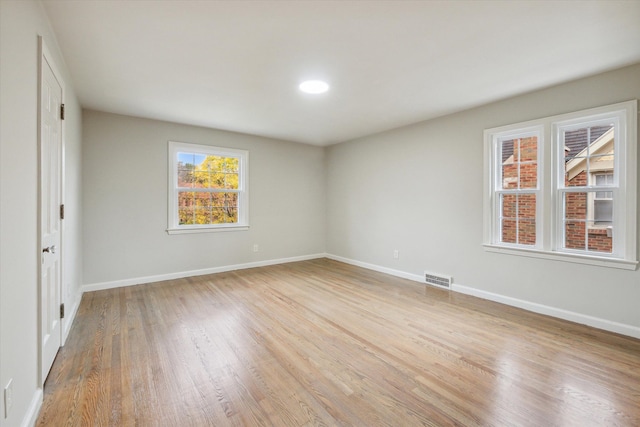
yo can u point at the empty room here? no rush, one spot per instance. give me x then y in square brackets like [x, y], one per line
[319, 213]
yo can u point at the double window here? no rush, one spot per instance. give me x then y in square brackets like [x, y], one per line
[564, 186]
[207, 188]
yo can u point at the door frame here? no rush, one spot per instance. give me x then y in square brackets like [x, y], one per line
[45, 56]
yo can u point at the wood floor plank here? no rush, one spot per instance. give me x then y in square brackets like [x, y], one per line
[322, 343]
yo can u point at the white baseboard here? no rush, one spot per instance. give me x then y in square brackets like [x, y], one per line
[33, 411]
[70, 315]
[584, 319]
[604, 324]
[390, 271]
[179, 275]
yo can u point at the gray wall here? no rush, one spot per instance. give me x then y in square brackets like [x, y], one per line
[20, 24]
[419, 189]
[125, 201]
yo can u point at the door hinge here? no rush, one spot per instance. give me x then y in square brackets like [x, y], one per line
[61, 211]
[61, 111]
[62, 311]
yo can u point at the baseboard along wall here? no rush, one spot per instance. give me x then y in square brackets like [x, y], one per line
[604, 324]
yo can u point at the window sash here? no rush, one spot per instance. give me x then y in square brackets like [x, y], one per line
[498, 187]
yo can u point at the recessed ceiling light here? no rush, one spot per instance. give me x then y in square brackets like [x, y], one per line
[314, 86]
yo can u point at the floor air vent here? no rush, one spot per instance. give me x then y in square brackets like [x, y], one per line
[438, 280]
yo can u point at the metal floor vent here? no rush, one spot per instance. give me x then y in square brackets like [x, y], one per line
[438, 280]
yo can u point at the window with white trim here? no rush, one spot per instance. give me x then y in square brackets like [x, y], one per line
[517, 186]
[207, 188]
[564, 187]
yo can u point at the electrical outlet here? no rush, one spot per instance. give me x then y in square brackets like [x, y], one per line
[8, 398]
[256, 248]
[396, 254]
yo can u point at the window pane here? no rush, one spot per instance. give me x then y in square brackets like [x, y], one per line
[604, 179]
[185, 215]
[528, 175]
[200, 171]
[509, 231]
[185, 198]
[587, 236]
[232, 215]
[526, 231]
[518, 222]
[529, 149]
[519, 163]
[587, 222]
[603, 211]
[600, 238]
[527, 206]
[588, 149]
[202, 200]
[575, 237]
[231, 181]
[224, 199]
[577, 180]
[186, 176]
[510, 175]
[201, 179]
[224, 215]
[509, 205]
[606, 195]
[207, 208]
[528, 162]
[575, 206]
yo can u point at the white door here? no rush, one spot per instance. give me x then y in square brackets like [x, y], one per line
[50, 225]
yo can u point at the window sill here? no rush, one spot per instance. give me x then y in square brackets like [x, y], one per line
[600, 261]
[217, 229]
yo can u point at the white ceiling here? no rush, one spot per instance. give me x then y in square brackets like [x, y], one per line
[236, 65]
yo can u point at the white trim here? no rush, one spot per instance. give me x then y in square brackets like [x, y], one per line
[606, 325]
[578, 258]
[181, 274]
[31, 416]
[596, 322]
[208, 229]
[389, 271]
[70, 315]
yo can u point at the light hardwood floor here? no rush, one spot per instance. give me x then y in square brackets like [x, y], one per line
[324, 343]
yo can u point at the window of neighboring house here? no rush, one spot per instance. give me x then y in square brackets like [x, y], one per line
[603, 200]
[578, 202]
[207, 188]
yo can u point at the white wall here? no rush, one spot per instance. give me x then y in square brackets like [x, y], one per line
[20, 24]
[419, 189]
[125, 201]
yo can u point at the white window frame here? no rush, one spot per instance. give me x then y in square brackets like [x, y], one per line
[498, 190]
[549, 204]
[174, 227]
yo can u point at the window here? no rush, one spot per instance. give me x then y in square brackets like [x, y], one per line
[564, 187]
[517, 187]
[207, 188]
